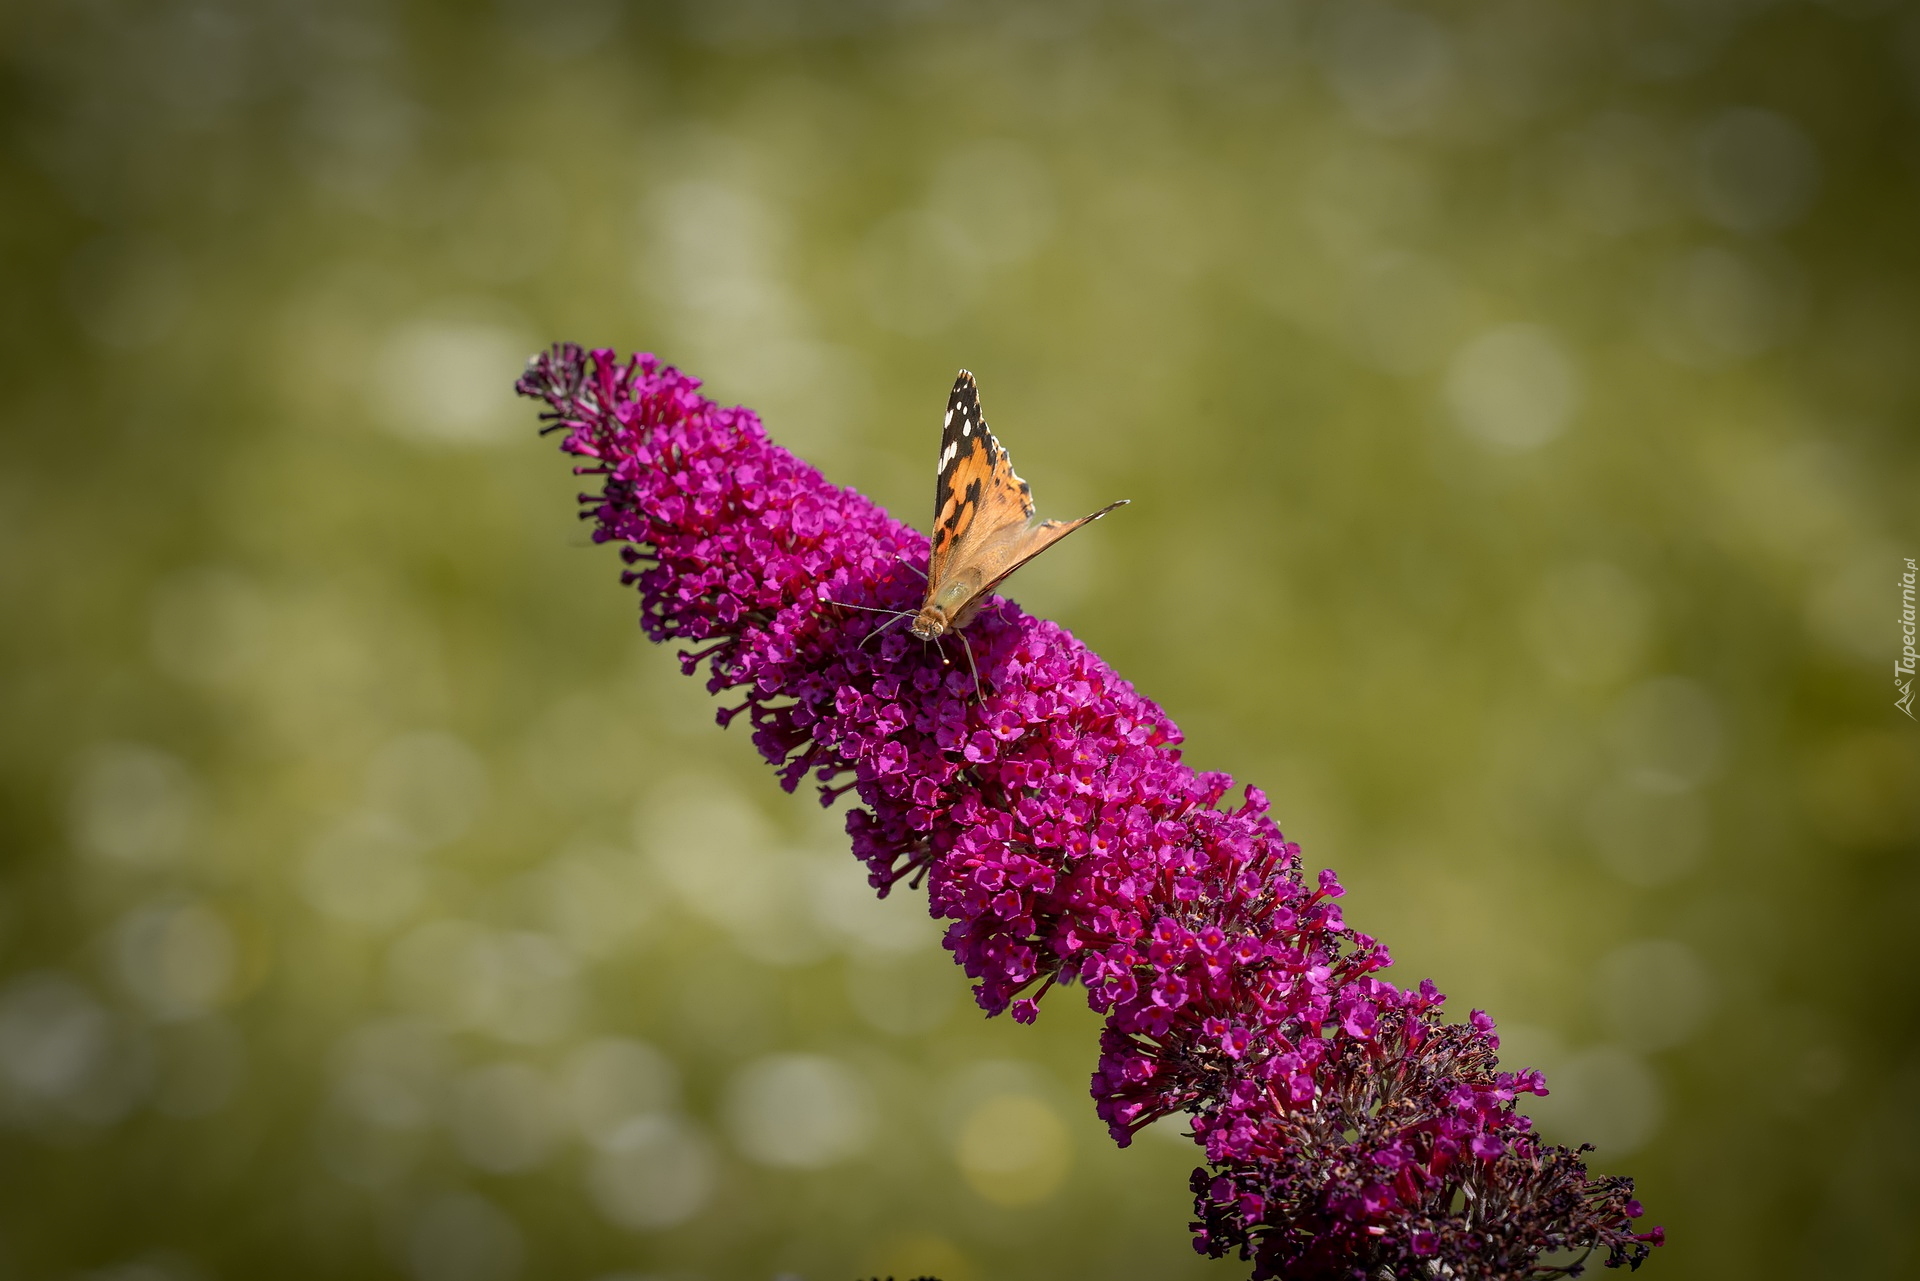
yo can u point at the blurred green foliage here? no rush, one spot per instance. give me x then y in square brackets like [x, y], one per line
[1517, 400]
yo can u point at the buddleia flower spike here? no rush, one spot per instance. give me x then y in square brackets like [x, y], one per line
[1344, 1128]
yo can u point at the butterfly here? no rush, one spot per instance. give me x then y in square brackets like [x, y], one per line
[983, 519]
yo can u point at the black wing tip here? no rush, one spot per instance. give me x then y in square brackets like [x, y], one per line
[965, 399]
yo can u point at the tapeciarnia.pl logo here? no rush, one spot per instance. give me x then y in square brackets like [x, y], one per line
[1903, 665]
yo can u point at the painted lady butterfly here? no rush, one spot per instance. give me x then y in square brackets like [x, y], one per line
[983, 526]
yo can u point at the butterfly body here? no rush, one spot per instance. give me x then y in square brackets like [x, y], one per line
[984, 527]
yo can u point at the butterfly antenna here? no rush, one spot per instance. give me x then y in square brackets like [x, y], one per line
[910, 565]
[871, 609]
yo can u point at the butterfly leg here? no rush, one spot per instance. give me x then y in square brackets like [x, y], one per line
[898, 615]
[893, 616]
[972, 666]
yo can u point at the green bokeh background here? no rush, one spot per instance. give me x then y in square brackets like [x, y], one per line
[1517, 403]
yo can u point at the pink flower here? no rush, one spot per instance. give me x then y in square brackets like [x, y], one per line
[1062, 837]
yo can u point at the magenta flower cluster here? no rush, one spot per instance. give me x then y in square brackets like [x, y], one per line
[1348, 1131]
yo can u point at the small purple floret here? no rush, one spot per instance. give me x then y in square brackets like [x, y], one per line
[1348, 1130]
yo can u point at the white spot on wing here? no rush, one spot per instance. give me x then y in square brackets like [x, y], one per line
[948, 422]
[946, 457]
[966, 428]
